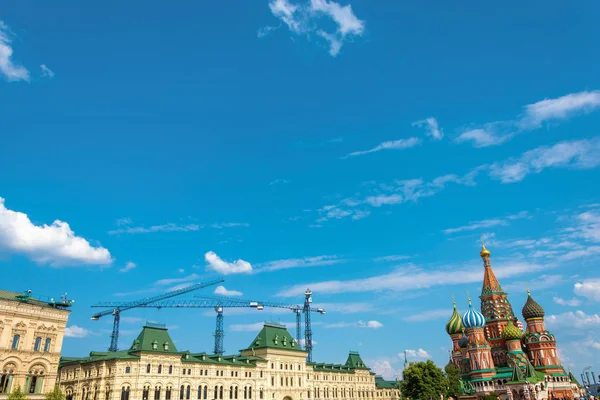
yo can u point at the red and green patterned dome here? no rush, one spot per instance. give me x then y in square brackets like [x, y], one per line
[454, 325]
[532, 309]
[511, 332]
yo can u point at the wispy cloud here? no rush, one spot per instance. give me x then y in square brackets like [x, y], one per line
[399, 144]
[304, 18]
[55, 244]
[215, 263]
[416, 354]
[563, 302]
[431, 126]
[278, 182]
[220, 290]
[394, 257]
[172, 281]
[410, 279]
[46, 72]
[487, 223]
[255, 327]
[128, 267]
[429, 315]
[577, 319]
[358, 324]
[11, 71]
[533, 117]
[169, 227]
[575, 154]
[299, 263]
[266, 30]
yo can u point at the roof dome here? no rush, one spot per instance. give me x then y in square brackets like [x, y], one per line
[511, 332]
[532, 309]
[473, 318]
[463, 342]
[454, 324]
[484, 252]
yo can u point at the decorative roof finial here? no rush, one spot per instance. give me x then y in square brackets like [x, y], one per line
[527, 286]
[469, 297]
[484, 252]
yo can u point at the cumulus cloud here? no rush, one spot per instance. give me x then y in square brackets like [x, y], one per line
[11, 71]
[305, 17]
[220, 290]
[384, 368]
[75, 331]
[418, 354]
[534, 116]
[431, 126]
[564, 302]
[128, 267]
[398, 144]
[54, 244]
[577, 319]
[589, 288]
[215, 263]
[370, 324]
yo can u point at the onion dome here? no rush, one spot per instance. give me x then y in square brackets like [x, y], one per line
[484, 252]
[463, 342]
[454, 324]
[473, 318]
[511, 332]
[532, 309]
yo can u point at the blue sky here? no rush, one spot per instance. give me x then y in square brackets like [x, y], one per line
[360, 149]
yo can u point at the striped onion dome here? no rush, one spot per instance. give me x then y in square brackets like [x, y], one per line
[463, 342]
[532, 309]
[473, 318]
[511, 332]
[454, 324]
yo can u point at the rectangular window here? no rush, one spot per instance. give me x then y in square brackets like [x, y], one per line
[38, 344]
[47, 344]
[168, 394]
[15, 342]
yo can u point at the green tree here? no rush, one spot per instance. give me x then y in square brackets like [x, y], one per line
[491, 396]
[17, 394]
[453, 376]
[424, 381]
[56, 394]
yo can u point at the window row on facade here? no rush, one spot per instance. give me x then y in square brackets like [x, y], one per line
[37, 344]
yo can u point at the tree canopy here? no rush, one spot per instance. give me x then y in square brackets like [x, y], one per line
[17, 394]
[453, 376]
[56, 394]
[424, 381]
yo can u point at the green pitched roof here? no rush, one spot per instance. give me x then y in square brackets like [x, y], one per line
[154, 337]
[573, 379]
[517, 375]
[355, 362]
[274, 336]
[381, 383]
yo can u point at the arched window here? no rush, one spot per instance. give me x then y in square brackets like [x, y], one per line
[249, 392]
[125, 393]
[221, 393]
[236, 393]
[188, 392]
[231, 392]
[181, 390]
[170, 369]
[145, 393]
[245, 392]
[168, 393]
[15, 341]
[216, 392]
[199, 392]
[205, 392]
[157, 393]
[38, 344]
[148, 368]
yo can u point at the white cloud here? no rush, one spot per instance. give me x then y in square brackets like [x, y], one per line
[75, 331]
[220, 290]
[230, 225]
[303, 19]
[298, 263]
[265, 30]
[225, 268]
[171, 281]
[419, 354]
[279, 182]
[410, 279]
[384, 200]
[384, 368]
[589, 288]
[563, 302]
[170, 227]
[344, 308]
[46, 72]
[399, 144]
[533, 117]
[576, 154]
[577, 319]
[54, 244]
[431, 127]
[123, 221]
[487, 223]
[12, 72]
[428, 315]
[541, 282]
[394, 257]
[128, 267]
[358, 324]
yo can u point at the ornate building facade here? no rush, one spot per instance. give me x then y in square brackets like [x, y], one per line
[31, 336]
[494, 355]
[272, 367]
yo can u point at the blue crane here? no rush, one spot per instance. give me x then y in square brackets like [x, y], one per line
[219, 303]
[118, 308]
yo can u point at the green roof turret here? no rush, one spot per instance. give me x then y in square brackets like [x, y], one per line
[511, 332]
[454, 325]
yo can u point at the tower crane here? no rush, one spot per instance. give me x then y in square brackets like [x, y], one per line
[118, 308]
[218, 304]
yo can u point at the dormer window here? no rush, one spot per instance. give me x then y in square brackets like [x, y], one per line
[166, 346]
[154, 345]
[276, 339]
[284, 341]
[203, 357]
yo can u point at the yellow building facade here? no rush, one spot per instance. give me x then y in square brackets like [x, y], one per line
[273, 367]
[31, 336]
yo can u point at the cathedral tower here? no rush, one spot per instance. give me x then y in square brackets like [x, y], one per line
[540, 344]
[455, 329]
[478, 350]
[496, 309]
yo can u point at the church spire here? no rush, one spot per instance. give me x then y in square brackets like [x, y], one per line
[490, 282]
